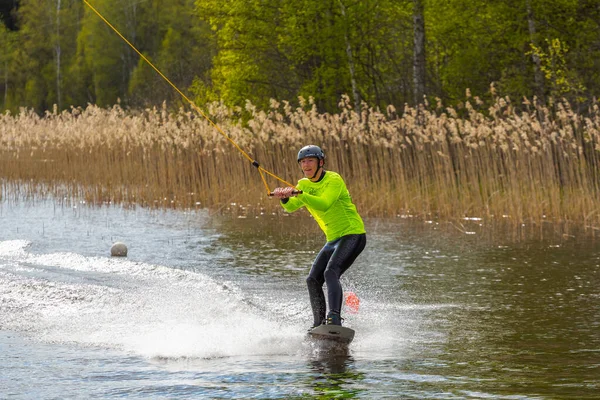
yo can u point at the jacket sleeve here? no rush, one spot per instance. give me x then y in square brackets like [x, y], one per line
[292, 204]
[326, 199]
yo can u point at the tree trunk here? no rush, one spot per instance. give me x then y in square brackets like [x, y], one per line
[5, 82]
[58, 50]
[129, 57]
[355, 93]
[419, 51]
[537, 64]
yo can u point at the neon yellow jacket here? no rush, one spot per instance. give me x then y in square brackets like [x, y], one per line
[330, 204]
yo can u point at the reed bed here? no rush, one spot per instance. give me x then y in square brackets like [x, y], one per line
[525, 163]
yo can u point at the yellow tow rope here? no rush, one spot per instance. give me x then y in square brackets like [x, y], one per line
[260, 169]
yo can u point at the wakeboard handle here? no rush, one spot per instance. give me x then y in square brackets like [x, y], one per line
[293, 192]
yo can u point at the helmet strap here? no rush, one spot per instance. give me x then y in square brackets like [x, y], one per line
[320, 167]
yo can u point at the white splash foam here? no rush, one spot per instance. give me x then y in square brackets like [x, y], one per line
[150, 310]
[13, 248]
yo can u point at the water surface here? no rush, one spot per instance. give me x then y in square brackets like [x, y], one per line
[216, 307]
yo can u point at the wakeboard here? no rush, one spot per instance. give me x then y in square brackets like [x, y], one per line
[334, 333]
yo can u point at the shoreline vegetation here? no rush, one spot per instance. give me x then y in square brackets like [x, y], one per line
[518, 163]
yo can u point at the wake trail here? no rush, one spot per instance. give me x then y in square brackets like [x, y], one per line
[150, 310]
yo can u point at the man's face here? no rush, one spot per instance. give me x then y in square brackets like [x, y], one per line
[309, 166]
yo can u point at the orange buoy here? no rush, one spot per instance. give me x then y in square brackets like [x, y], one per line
[352, 302]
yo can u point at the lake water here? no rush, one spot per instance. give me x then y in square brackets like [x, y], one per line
[209, 307]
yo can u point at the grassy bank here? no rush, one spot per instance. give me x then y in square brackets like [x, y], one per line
[491, 162]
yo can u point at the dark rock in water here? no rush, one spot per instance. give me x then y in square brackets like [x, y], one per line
[118, 250]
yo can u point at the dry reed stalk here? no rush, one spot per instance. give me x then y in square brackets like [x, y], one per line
[540, 164]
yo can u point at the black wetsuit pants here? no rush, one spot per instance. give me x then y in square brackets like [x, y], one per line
[333, 260]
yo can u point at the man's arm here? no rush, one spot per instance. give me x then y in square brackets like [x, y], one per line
[287, 199]
[291, 204]
[326, 199]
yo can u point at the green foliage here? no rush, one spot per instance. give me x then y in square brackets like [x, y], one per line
[563, 82]
[7, 40]
[103, 53]
[32, 53]
[178, 44]
[288, 49]
[457, 33]
[38, 56]
[248, 64]
[240, 50]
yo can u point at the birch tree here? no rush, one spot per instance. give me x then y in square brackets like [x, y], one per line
[419, 61]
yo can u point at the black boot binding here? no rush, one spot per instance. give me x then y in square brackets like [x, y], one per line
[334, 318]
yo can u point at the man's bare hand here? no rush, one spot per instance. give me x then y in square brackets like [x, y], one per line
[284, 192]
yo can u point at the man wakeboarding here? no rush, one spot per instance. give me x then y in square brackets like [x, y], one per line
[325, 196]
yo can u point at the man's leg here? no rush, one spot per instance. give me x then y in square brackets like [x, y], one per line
[347, 249]
[315, 281]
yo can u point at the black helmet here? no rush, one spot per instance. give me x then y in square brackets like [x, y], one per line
[311, 151]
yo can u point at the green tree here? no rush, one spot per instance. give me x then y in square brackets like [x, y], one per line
[285, 49]
[178, 44]
[34, 67]
[467, 44]
[380, 33]
[7, 38]
[246, 36]
[472, 44]
[38, 54]
[69, 14]
[237, 50]
[103, 55]
[420, 59]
